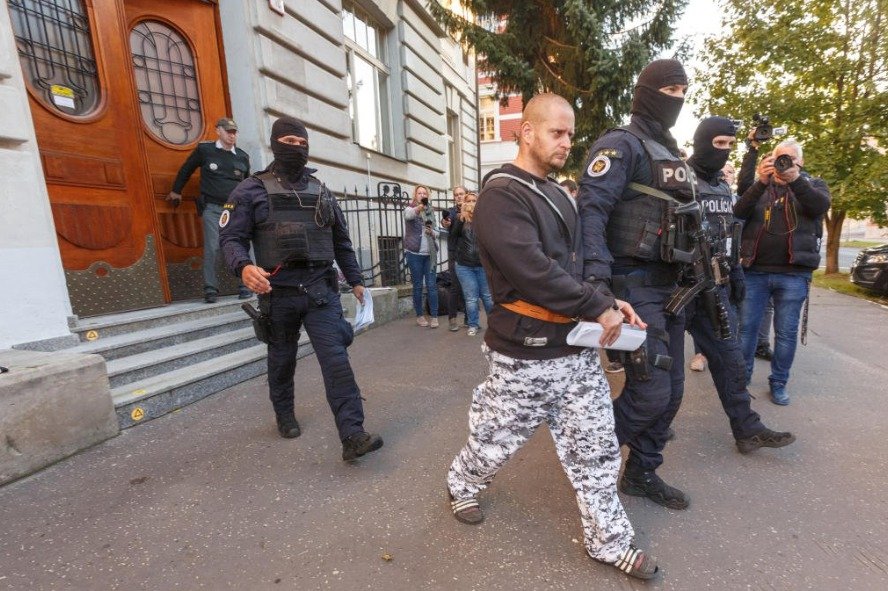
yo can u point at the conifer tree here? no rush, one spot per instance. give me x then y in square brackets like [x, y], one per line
[588, 51]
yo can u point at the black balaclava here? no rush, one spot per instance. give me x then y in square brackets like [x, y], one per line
[649, 102]
[707, 158]
[289, 159]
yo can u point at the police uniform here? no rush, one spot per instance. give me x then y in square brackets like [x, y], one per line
[623, 231]
[721, 344]
[220, 172]
[724, 356]
[298, 230]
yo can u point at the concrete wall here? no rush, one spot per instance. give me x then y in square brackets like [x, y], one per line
[34, 299]
[295, 64]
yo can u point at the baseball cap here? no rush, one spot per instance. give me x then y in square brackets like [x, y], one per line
[227, 124]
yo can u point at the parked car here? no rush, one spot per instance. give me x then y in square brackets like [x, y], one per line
[870, 270]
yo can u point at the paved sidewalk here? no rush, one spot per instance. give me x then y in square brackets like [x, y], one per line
[211, 498]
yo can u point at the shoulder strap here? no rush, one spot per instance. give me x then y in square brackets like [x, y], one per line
[532, 187]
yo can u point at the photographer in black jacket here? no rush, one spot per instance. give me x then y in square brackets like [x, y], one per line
[783, 211]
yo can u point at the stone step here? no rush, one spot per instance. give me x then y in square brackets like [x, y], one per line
[148, 339]
[155, 396]
[129, 369]
[102, 327]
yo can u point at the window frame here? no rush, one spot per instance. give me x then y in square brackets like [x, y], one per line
[101, 104]
[137, 103]
[383, 107]
[493, 115]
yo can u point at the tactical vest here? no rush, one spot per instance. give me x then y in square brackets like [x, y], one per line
[718, 211]
[299, 227]
[638, 219]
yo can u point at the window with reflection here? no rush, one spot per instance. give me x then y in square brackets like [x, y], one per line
[487, 107]
[55, 49]
[166, 82]
[367, 79]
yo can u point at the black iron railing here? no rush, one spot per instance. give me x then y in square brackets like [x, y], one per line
[376, 227]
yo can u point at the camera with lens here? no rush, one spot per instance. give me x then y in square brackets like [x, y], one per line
[424, 201]
[764, 130]
[783, 162]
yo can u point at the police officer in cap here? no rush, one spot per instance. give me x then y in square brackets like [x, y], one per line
[633, 175]
[713, 141]
[298, 230]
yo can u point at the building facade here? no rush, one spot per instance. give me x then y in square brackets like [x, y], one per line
[102, 100]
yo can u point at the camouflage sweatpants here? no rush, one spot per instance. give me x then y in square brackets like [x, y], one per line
[572, 395]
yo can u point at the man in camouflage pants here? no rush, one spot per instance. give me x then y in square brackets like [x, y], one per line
[528, 233]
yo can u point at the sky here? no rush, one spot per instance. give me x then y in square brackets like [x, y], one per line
[701, 18]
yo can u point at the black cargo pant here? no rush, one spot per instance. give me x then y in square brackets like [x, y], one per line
[290, 309]
[727, 366]
[648, 403]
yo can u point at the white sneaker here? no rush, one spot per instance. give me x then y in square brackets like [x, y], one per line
[473, 330]
[433, 323]
[421, 321]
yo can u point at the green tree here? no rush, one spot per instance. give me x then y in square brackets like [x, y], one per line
[818, 67]
[588, 51]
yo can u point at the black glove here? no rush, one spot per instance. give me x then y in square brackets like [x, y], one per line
[738, 285]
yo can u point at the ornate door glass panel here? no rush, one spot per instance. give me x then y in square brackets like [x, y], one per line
[55, 48]
[166, 82]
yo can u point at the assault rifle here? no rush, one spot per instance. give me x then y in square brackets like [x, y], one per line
[702, 272]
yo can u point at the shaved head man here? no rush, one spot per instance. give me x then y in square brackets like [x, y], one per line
[527, 231]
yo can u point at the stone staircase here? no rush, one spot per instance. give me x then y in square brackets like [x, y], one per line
[162, 359]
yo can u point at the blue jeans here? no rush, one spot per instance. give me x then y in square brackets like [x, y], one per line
[474, 286]
[788, 292]
[421, 269]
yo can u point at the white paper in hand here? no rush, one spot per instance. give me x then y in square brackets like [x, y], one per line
[364, 313]
[588, 334]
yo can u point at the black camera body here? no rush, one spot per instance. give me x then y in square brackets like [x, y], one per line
[424, 201]
[783, 162]
[763, 128]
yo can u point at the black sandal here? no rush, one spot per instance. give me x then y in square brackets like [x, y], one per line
[467, 511]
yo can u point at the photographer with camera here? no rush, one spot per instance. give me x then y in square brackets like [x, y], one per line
[421, 248]
[783, 212]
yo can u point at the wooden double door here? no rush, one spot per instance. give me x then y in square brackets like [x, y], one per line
[121, 91]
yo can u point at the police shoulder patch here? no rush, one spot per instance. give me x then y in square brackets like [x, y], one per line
[224, 218]
[599, 166]
[228, 206]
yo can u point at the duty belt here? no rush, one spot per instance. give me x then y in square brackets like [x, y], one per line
[538, 312]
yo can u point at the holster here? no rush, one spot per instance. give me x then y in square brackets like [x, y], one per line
[636, 364]
[261, 320]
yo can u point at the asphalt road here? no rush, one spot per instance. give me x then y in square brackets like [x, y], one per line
[211, 498]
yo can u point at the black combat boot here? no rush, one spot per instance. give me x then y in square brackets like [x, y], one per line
[359, 444]
[288, 427]
[764, 438]
[639, 482]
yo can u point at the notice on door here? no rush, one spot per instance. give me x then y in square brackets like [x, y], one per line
[62, 96]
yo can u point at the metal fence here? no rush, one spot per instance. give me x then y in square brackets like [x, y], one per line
[376, 227]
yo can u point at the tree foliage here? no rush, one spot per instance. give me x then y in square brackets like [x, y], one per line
[588, 51]
[820, 67]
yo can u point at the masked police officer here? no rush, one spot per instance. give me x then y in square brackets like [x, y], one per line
[298, 230]
[633, 176]
[713, 141]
